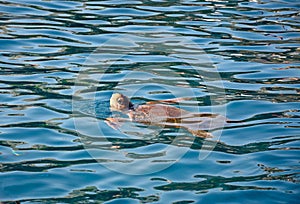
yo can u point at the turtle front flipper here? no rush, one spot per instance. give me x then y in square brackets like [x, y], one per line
[174, 100]
[114, 123]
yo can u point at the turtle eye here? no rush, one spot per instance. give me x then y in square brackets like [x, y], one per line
[120, 101]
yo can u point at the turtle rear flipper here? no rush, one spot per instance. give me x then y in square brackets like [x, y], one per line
[200, 133]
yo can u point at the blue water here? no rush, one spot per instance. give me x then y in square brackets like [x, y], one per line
[61, 61]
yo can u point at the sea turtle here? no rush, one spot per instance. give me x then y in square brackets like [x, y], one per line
[159, 114]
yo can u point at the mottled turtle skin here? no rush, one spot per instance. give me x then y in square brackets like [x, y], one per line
[155, 113]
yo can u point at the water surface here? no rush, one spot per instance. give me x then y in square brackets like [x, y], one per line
[61, 61]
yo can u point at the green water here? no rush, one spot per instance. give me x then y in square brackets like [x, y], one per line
[60, 62]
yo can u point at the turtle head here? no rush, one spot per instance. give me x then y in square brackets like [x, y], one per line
[119, 102]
